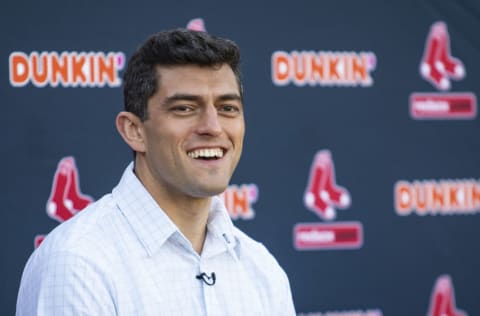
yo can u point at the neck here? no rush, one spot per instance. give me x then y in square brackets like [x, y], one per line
[189, 214]
[190, 218]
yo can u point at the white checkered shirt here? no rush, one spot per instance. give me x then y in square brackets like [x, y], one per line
[124, 256]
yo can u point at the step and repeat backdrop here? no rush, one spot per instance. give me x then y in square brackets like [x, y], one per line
[361, 168]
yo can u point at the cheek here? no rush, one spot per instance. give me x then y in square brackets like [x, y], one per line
[241, 133]
[237, 138]
[238, 129]
[164, 146]
[234, 129]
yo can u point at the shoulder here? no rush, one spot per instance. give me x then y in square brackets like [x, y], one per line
[258, 257]
[87, 228]
[85, 238]
[248, 243]
[271, 279]
[69, 268]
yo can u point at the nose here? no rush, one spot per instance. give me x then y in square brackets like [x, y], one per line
[209, 123]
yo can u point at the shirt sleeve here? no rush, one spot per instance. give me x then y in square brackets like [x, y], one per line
[64, 284]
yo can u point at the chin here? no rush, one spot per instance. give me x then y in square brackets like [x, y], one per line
[210, 191]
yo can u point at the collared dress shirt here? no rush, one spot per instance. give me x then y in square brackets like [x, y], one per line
[123, 255]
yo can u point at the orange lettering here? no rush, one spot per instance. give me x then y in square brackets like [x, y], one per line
[453, 194]
[403, 198]
[280, 68]
[299, 67]
[78, 62]
[39, 69]
[476, 195]
[19, 70]
[92, 62]
[421, 197]
[106, 68]
[240, 200]
[332, 67]
[316, 68]
[359, 67]
[437, 196]
[59, 68]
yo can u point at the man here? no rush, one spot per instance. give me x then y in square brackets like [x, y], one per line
[162, 243]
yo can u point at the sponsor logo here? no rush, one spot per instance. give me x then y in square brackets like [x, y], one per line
[65, 199]
[442, 301]
[373, 312]
[343, 235]
[66, 69]
[433, 105]
[239, 200]
[439, 67]
[323, 68]
[443, 197]
[323, 197]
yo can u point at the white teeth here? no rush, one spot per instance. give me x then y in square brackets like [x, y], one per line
[206, 153]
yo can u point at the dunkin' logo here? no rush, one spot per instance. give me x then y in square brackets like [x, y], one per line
[66, 69]
[442, 301]
[439, 67]
[443, 197]
[323, 197]
[239, 200]
[323, 68]
[65, 199]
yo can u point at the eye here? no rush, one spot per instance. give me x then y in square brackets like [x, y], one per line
[229, 109]
[182, 109]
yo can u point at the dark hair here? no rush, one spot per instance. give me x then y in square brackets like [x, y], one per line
[171, 48]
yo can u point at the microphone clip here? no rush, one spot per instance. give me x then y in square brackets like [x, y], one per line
[207, 279]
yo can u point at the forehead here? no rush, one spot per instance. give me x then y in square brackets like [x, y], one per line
[195, 79]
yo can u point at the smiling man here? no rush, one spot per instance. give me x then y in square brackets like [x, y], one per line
[162, 242]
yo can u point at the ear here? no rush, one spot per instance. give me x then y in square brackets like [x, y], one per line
[130, 128]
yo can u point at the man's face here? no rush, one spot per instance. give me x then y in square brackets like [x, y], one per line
[194, 131]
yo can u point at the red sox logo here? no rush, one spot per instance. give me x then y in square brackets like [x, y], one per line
[65, 199]
[323, 196]
[438, 66]
[442, 302]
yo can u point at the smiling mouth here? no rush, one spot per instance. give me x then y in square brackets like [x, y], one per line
[206, 153]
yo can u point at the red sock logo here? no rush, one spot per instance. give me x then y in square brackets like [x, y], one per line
[322, 192]
[78, 199]
[443, 299]
[437, 64]
[65, 198]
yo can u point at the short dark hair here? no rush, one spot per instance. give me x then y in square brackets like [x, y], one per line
[173, 48]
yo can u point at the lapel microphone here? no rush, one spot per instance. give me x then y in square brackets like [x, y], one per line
[207, 279]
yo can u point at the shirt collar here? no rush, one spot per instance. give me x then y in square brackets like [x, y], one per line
[152, 225]
[220, 231]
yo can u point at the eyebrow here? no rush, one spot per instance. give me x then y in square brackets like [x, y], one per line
[230, 96]
[193, 97]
